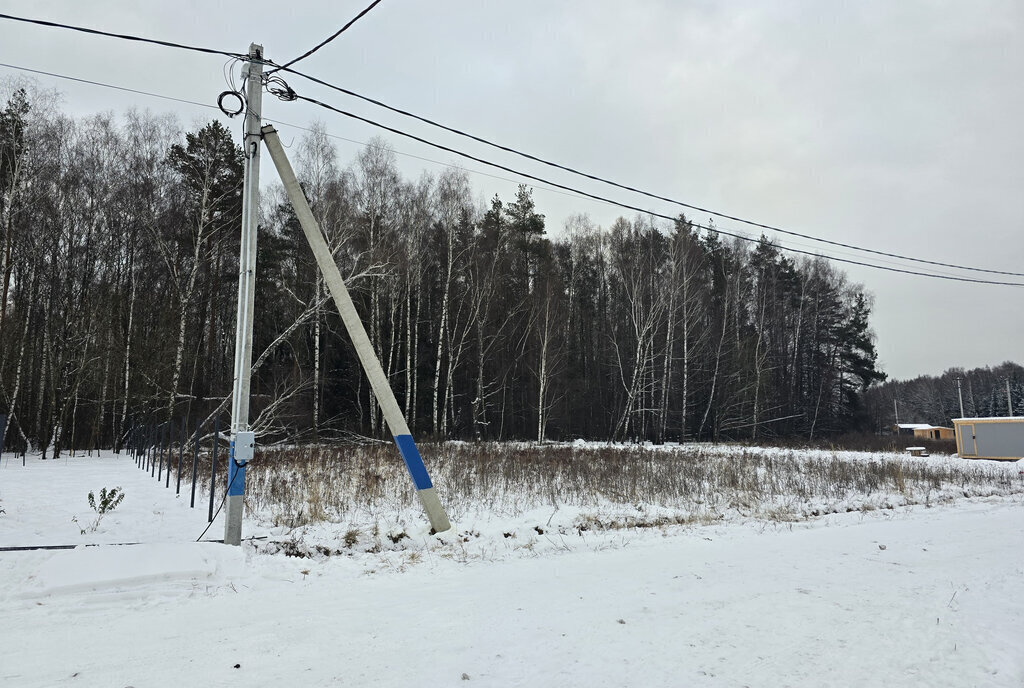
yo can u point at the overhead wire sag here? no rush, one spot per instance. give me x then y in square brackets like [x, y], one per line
[286, 67]
[638, 209]
[122, 36]
[566, 191]
[559, 188]
[283, 91]
[625, 187]
[330, 38]
[100, 83]
[235, 89]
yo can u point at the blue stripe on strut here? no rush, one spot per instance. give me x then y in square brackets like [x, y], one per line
[236, 485]
[414, 462]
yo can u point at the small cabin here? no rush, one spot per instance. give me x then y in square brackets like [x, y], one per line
[990, 438]
[924, 431]
[935, 432]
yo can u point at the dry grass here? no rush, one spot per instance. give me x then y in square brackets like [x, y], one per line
[298, 486]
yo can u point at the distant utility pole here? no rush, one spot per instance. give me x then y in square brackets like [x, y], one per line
[243, 441]
[1009, 399]
[895, 412]
[960, 394]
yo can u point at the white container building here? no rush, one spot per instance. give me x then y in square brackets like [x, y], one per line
[990, 438]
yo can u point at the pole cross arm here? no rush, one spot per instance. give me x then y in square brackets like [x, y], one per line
[354, 325]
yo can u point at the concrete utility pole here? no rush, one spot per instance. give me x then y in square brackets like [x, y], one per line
[960, 394]
[895, 412]
[364, 349]
[243, 441]
[1009, 399]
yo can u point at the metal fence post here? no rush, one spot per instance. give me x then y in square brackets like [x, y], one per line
[195, 461]
[213, 464]
[181, 451]
[170, 451]
[163, 450]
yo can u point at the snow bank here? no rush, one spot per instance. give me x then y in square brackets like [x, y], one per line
[902, 596]
[120, 568]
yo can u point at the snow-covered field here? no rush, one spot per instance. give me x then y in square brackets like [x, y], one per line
[821, 587]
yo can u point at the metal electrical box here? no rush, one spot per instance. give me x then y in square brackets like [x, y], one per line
[244, 447]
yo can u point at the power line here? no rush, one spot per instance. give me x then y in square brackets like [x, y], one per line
[307, 129]
[643, 211]
[571, 194]
[123, 36]
[558, 188]
[441, 163]
[499, 146]
[116, 88]
[330, 38]
[625, 187]
[279, 122]
[816, 251]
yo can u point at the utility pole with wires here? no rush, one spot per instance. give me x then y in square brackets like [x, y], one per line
[243, 440]
[960, 394]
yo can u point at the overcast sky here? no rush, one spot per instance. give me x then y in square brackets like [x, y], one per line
[891, 125]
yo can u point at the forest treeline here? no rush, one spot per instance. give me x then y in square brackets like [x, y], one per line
[936, 400]
[119, 286]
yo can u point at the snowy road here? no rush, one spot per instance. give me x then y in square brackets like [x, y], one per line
[821, 604]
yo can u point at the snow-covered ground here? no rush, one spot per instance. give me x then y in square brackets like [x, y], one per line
[901, 596]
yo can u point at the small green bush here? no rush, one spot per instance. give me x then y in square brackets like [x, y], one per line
[108, 500]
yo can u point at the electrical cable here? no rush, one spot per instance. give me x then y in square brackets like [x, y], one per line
[276, 86]
[116, 88]
[627, 206]
[557, 188]
[420, 157]
[816, 250]
[231, 112]
[234, 88]
[286, 67]
[123, 36]
[222, 502]
[625, 187]
[328, 39]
